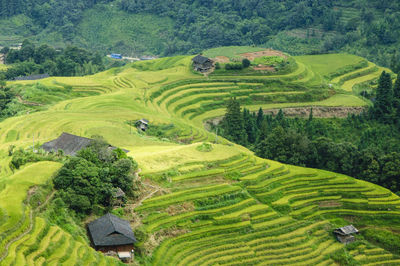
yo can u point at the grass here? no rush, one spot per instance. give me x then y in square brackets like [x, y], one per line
[327, 64]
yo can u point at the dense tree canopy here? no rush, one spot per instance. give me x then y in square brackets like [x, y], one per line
[71, 61]
[367, 28]
[89, 180]
[365, 146]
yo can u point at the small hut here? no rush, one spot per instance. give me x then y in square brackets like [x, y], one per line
[202, 64]
[345, 234]
[142, 124]
[118, 196]
[110, 233]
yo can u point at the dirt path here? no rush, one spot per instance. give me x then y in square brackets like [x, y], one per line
[27, 231]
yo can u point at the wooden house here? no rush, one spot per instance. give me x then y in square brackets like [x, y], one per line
[345, 234]
[202, 64]
[70, 144]
[110, 233]
[142, 124]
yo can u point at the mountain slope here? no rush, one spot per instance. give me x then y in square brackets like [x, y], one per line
[222, 205]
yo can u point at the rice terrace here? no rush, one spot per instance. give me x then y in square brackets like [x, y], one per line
[204, 200]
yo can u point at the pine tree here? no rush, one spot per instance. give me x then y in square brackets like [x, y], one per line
[383, 107]
[310, 117]
[250, 126]
[396, 91]
[396, 99]
[234, 124]
[260, 118]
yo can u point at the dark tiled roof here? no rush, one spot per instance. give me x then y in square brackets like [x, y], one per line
[346, 230]
[109, 230]
[199, 59]
[144, 121]
[33, 77]
[69, 144]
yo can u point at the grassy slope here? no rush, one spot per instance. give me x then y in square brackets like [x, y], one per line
[104, 25]
[127, 95]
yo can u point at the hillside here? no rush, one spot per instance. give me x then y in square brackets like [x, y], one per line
[202, 204]
[367, 28]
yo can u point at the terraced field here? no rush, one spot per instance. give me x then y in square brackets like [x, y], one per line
[225, 206]
[269, 213]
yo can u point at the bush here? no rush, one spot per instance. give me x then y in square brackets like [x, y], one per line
[205, 147]
[87, 182]
[22, 157]
[234, 66]
[246, 63]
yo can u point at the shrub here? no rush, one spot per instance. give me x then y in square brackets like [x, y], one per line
[246, 63]
[234, 66]
[205, 147]
[342, 257]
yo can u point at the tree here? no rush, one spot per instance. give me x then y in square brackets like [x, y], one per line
[383, 106]
[233, 123]
[396, 92]
[246, 63]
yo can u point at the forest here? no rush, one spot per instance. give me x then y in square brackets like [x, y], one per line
[365, 146]
[71, 61]
[367, 28]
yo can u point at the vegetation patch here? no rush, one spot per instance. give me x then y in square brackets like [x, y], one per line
[205, 147]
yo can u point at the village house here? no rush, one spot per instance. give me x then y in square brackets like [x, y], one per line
[142, 124]
[70, 144]
[118, 196]
[33, 77]
[110, 233]
[202, 64]
[345, 234]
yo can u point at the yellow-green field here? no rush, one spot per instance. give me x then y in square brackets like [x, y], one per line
[242, 210]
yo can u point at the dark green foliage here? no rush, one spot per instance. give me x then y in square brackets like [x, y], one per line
[384, 103]
[234, 66]
[21, 157]
[366, 28]
[71, 61]
[246, 63]
[357, 146]
[90, 178]
[233, 124]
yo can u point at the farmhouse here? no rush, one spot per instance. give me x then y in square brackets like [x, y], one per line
[202, 64]
[110, 233]
[69, 144]
[118, 196]
[142, 124]
[345, 234]
[33, 77]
